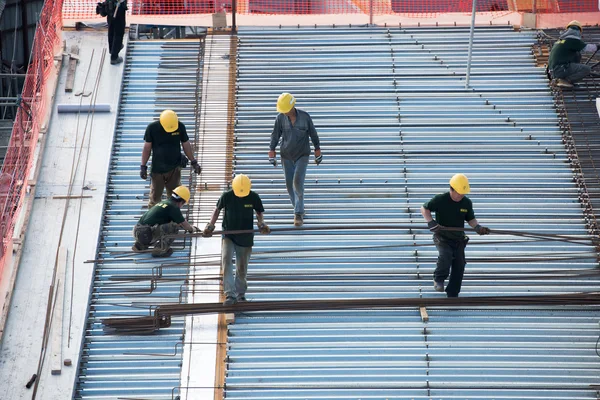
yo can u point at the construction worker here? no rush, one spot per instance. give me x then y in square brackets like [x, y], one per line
[451, 209]
[165, 218]
[116, 11]
[294, 127]
[162, 139]
[239, 204]
[565, 58]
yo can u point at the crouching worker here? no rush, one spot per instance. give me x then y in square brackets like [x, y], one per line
[239, 204]
[165, 218]
[565, 58]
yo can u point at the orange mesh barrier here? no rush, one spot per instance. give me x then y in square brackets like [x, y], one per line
[85, 9]
[19, 155]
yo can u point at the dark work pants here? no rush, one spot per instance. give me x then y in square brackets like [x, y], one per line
[451, 261]
[116, 31]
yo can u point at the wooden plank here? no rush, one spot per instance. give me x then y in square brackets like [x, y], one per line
[57, 315]
[72, 67]
[424, 315]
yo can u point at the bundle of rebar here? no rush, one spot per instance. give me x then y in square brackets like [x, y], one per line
[163, 313]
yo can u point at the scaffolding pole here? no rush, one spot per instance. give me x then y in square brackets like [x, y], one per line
[471, 34]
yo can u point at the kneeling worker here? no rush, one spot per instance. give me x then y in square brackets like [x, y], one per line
[565, 57]
[239, 204]
[165, 218]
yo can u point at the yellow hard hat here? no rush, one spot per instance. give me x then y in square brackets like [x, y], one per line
[169, 120]
[460, 184]
[575, 23]
[285, 103]
[241, 185]
[182, 192]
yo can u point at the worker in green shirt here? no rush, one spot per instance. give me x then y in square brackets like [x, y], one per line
[164, 139]
[239, 204]
[451, 209]
[165, 218]
[565, 57]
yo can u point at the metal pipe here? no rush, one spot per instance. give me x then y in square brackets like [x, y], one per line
[471, 34]
[233, 16]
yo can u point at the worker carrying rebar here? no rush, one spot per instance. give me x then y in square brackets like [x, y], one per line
[565, 57]
[294, 127]
[164, 139]
[451, 209]
[165, 218]
[239, 204]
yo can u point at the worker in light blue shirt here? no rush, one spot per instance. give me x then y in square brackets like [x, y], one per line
[293, 128]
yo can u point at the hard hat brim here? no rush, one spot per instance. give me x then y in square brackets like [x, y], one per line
[239, 193]
[284, 110]
[169, 129]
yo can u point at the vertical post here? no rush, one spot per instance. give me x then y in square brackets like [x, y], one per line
[233, 13]
[534, 7]
[24, 31]
[370, 12]
[471, 44]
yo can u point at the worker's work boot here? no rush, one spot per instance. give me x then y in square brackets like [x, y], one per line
[229, 301]
[116, 61]
[563, 83]
[298, 220]
[241, 298]
[438, 286]
[159, 252]
[138, 247]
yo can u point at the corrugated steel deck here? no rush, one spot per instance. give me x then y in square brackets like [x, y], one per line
[395, 123]
[159, 75]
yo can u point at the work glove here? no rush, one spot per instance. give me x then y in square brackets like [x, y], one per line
[272, 158]
[194, 229]
[482, 230]
[183, 161]
[144, 172]
[208, 230]
[434, 226]
[264, 229]
[318, 157]
[197, 168]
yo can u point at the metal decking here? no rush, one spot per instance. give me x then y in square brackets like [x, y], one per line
[395, 123]
[159, 75]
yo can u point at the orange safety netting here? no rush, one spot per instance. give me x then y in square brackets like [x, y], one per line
[32, 109]
[85, 9]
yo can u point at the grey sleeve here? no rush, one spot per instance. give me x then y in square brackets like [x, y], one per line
[313, 134]
[276, 134]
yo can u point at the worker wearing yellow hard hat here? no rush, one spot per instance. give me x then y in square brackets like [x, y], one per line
[240, 203]
[294, 128]
[564, 62]
[451, 210]
[164, 219]
[164, 139]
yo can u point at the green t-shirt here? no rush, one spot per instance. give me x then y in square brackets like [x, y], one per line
[565, 51]
[166, 147]
[162, 213]
[451, 213]
[239, 215]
